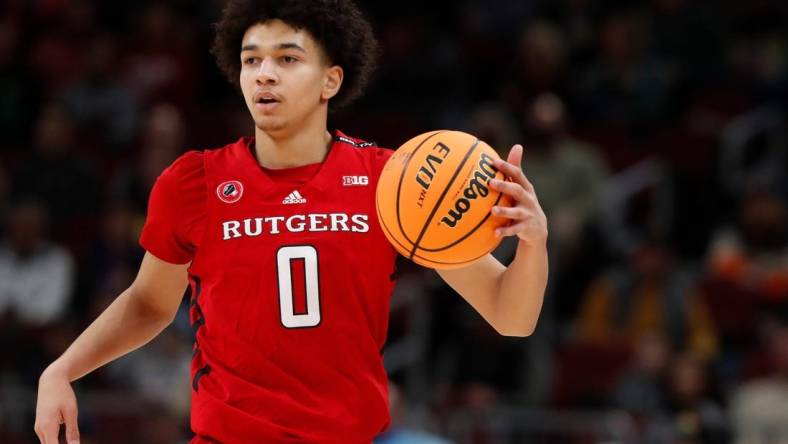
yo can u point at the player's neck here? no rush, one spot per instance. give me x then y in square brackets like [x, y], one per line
[307, 145]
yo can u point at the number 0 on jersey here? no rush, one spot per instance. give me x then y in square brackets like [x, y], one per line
[284, 258]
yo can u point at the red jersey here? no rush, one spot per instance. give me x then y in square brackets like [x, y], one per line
[290, 280]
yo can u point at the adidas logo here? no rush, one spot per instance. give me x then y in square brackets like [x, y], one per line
[294, 198]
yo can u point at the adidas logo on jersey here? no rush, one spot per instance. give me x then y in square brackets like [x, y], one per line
[294, 198]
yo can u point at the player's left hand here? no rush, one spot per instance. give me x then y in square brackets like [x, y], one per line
[528, 221]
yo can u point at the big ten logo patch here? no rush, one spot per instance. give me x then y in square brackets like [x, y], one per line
[350, 181]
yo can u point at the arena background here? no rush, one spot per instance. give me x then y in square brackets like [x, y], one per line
[655, 134]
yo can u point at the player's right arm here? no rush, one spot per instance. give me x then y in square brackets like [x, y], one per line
[176, 211]
[140, 313]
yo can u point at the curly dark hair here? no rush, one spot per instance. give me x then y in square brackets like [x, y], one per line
[338, 26]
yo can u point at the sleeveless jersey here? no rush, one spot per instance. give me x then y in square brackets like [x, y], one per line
[290, 288]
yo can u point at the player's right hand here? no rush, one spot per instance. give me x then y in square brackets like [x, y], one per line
[57, 404]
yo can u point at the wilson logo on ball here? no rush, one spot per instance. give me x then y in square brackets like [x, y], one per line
[476, 187]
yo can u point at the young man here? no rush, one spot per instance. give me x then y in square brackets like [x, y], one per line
[288, 268]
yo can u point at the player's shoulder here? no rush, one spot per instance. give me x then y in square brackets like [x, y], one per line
[231, 151]
[192, 164]
[188, 165]
[189, 160]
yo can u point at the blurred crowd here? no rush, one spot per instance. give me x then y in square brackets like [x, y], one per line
[656, 135]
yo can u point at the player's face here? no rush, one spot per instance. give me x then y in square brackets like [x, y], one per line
[285, 76]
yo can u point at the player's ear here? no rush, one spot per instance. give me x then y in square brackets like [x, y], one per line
[332, 81]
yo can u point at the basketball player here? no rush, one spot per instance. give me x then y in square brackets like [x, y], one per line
[278, 240]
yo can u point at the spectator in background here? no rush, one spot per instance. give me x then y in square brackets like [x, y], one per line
[758, 408]
[98, 102]
[757, 54]
[16, 102]
[650, 296]
[495, 124]
[640, 389]
[56, 174]
[540, 64]
[113, 251]
[626, 83]
[116, 245]
[670, 396]
[56, 48]
[747, 270]
[161, 65]
[754, 255]
[577, 20]
[753, 154]
[159, 372]
[541, 58]
[155, 377]
[162, 140]
[568, 173]
[690, 414]
[570, 177]
[36, 276]
[687, 36]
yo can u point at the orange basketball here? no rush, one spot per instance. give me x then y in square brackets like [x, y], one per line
[434, 201]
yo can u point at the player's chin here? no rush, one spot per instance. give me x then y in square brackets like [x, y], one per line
[270, 123]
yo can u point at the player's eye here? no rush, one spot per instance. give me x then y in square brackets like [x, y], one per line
[250, 60]
[289, 59]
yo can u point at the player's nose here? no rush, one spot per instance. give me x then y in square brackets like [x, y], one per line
[266, 73]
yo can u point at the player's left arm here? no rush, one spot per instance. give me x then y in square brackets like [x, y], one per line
[510, 298]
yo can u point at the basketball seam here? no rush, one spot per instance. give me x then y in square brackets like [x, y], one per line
[431, 261]
[391, 238]
[402, 177]
[442, 196]
[386, 229]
